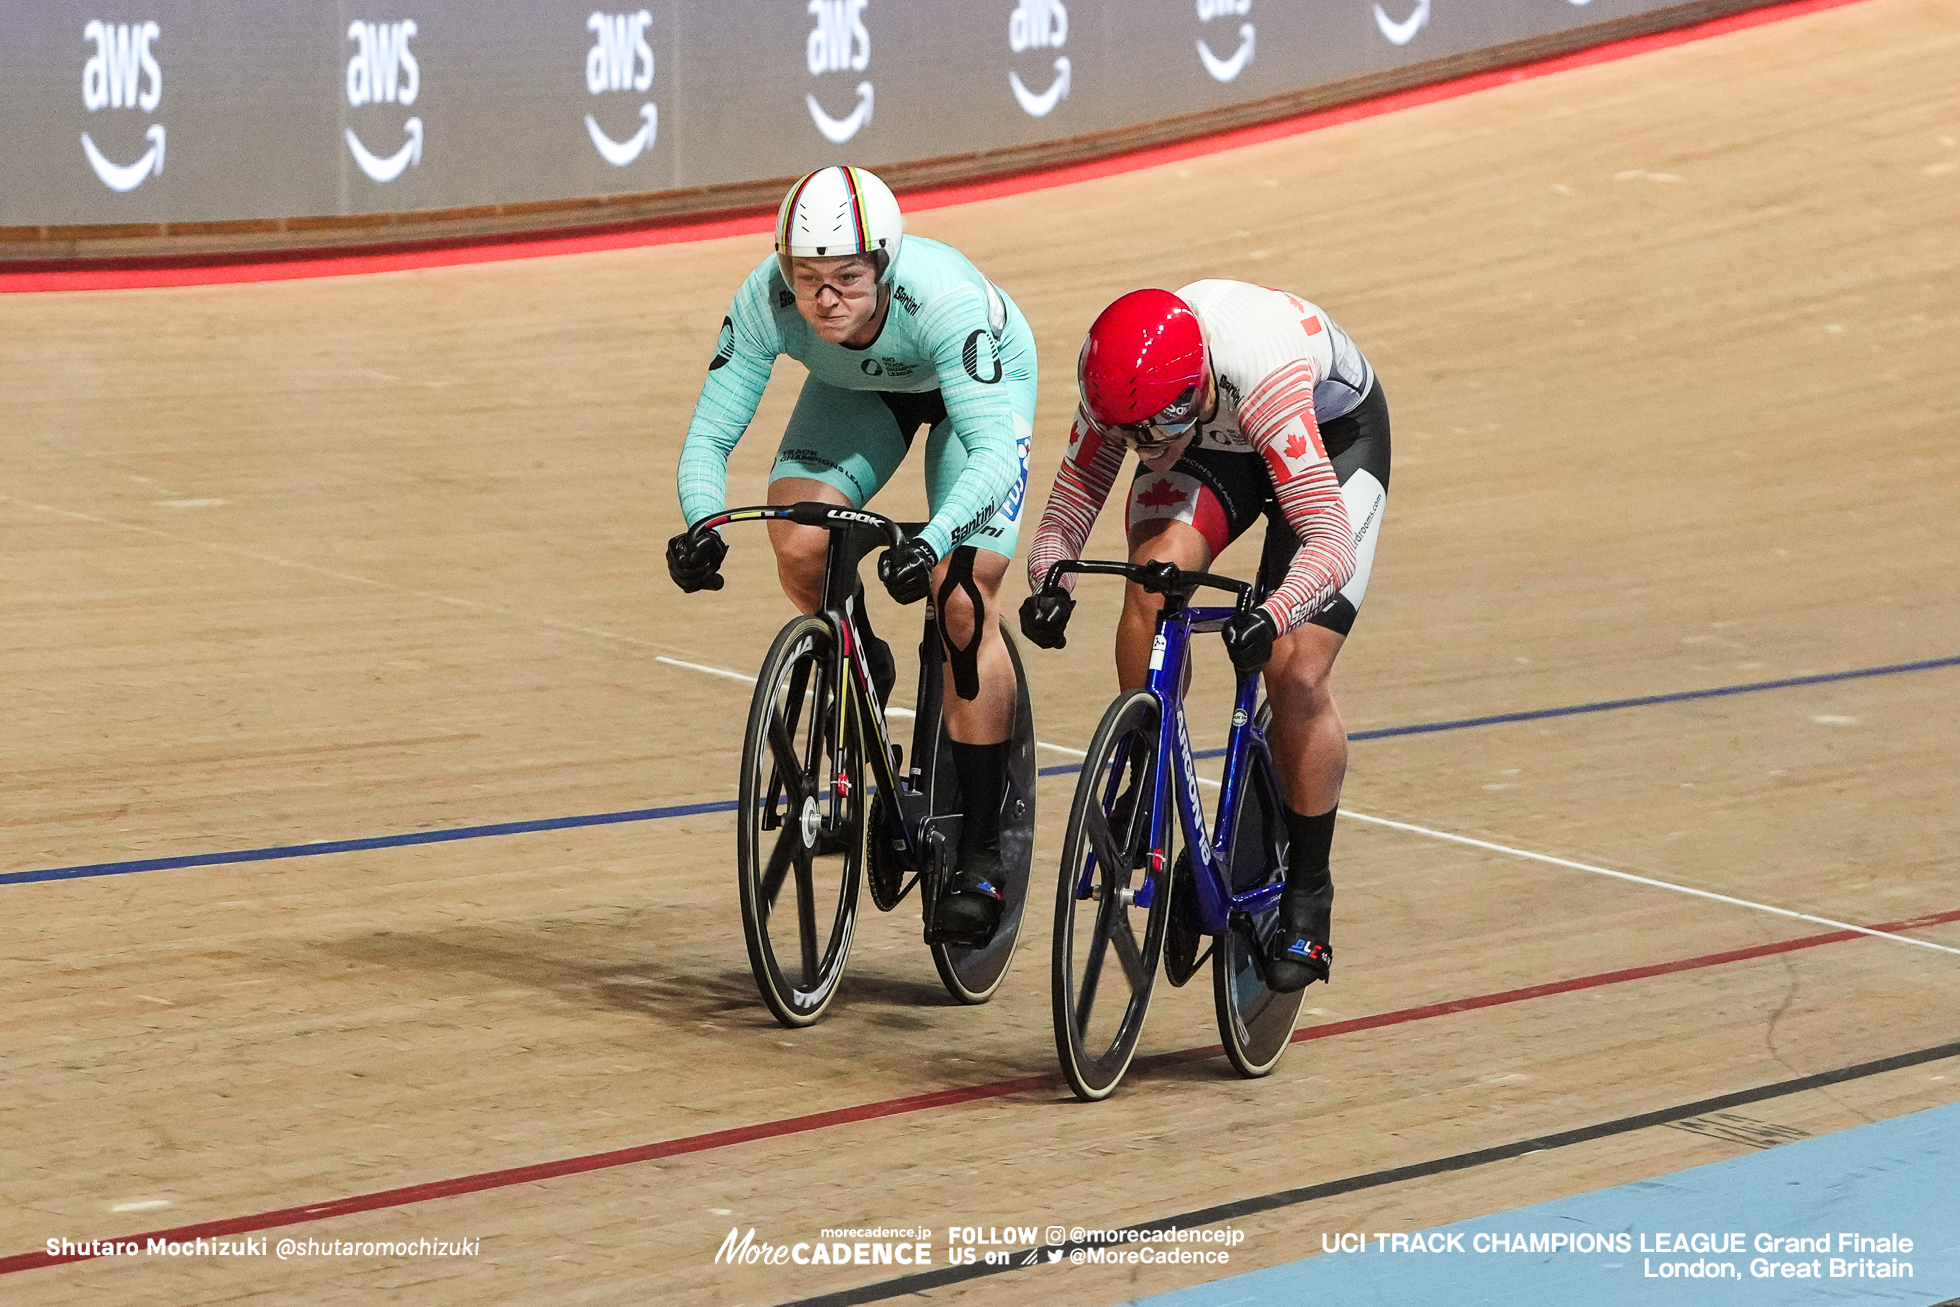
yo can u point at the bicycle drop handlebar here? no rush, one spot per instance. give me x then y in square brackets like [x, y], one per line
[1167, 579]
[809, 512]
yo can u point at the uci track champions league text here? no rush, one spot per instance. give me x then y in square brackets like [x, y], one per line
[1666, 1254]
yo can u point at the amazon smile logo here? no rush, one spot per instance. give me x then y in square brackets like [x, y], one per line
[1404, 31]
[383, 70]
[621, 60]
[1039, 25]
[123, 73]
[839, 42]
[1229, 67]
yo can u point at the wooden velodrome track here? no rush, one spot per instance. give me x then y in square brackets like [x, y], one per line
[1669, 344]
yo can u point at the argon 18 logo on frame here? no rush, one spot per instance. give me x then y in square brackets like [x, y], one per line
[383, 69]
[123, 73]
[621, 60]
[840, 42]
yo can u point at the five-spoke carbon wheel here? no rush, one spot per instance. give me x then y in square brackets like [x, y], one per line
[801, 827]
[1110, 910]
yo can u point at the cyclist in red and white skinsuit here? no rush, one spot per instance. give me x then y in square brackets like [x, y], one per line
[1241, 402]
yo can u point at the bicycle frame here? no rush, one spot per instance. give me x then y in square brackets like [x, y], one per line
[1246, 749]
[849, 529]
[1247, 753]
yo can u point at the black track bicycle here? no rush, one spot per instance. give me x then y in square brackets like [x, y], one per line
[825, 795]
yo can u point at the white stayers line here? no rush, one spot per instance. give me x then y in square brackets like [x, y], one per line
[1628, 876]
[889, 711]
[1644, 880]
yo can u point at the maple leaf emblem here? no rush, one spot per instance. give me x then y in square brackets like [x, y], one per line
[1162, 494]
[1296, 447]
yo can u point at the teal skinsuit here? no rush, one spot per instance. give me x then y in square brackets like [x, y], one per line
[954, 353]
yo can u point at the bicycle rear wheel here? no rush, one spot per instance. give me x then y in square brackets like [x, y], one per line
[800, 825]
[971, 975]
[1103, 971]
[1255, 1022]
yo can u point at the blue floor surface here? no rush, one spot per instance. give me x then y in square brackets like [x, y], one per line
[1894, 1180]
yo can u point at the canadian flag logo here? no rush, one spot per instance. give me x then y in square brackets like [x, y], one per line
[1295, 448]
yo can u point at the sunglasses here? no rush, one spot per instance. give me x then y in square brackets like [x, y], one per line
[1170, 425]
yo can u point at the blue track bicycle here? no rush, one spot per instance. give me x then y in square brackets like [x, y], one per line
[1124, 902]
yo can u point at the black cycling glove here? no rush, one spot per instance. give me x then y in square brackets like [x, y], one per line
[1044, 618]
[907, 570]
[1249, 639]
[694, 561]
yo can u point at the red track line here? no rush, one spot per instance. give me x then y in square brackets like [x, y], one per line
[497, 250]
[539, 1171]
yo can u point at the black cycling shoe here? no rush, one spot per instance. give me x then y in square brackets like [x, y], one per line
[1299, 953]
[971, 909]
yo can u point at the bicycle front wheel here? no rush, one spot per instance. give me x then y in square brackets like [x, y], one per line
[1110, 909]
[800, 825]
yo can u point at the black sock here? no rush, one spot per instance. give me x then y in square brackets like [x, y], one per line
[1310, 838]
[982, 771]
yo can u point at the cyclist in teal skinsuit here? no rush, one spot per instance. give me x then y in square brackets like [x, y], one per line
[897, 333]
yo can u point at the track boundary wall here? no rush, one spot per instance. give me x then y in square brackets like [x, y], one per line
[257, 128]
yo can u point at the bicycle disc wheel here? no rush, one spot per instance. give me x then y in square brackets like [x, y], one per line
[1104, 966]
[800, 825]
[971, 975]
[1255, 1022]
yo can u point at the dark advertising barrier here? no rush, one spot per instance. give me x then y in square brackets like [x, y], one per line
[131, 115]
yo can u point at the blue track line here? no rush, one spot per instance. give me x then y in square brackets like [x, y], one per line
[1063, 769]
[371, 842]
[1648, 700]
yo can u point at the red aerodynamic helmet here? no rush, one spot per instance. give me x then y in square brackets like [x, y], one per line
[1144, 372]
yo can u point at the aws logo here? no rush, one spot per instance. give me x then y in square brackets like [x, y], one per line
[1401, 33]
[839, 42]
[383, 70]
[1039, 25]
[1224, 70]
[621, 60]
[123, 73]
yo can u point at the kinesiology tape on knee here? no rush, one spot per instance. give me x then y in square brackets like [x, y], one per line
[982, 769]
[1310, 840]
[966, 661]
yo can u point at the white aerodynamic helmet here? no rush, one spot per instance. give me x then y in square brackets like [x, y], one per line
[836, 211]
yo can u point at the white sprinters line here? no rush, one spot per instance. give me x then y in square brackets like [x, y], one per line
[1643, 880]
[702, 667]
